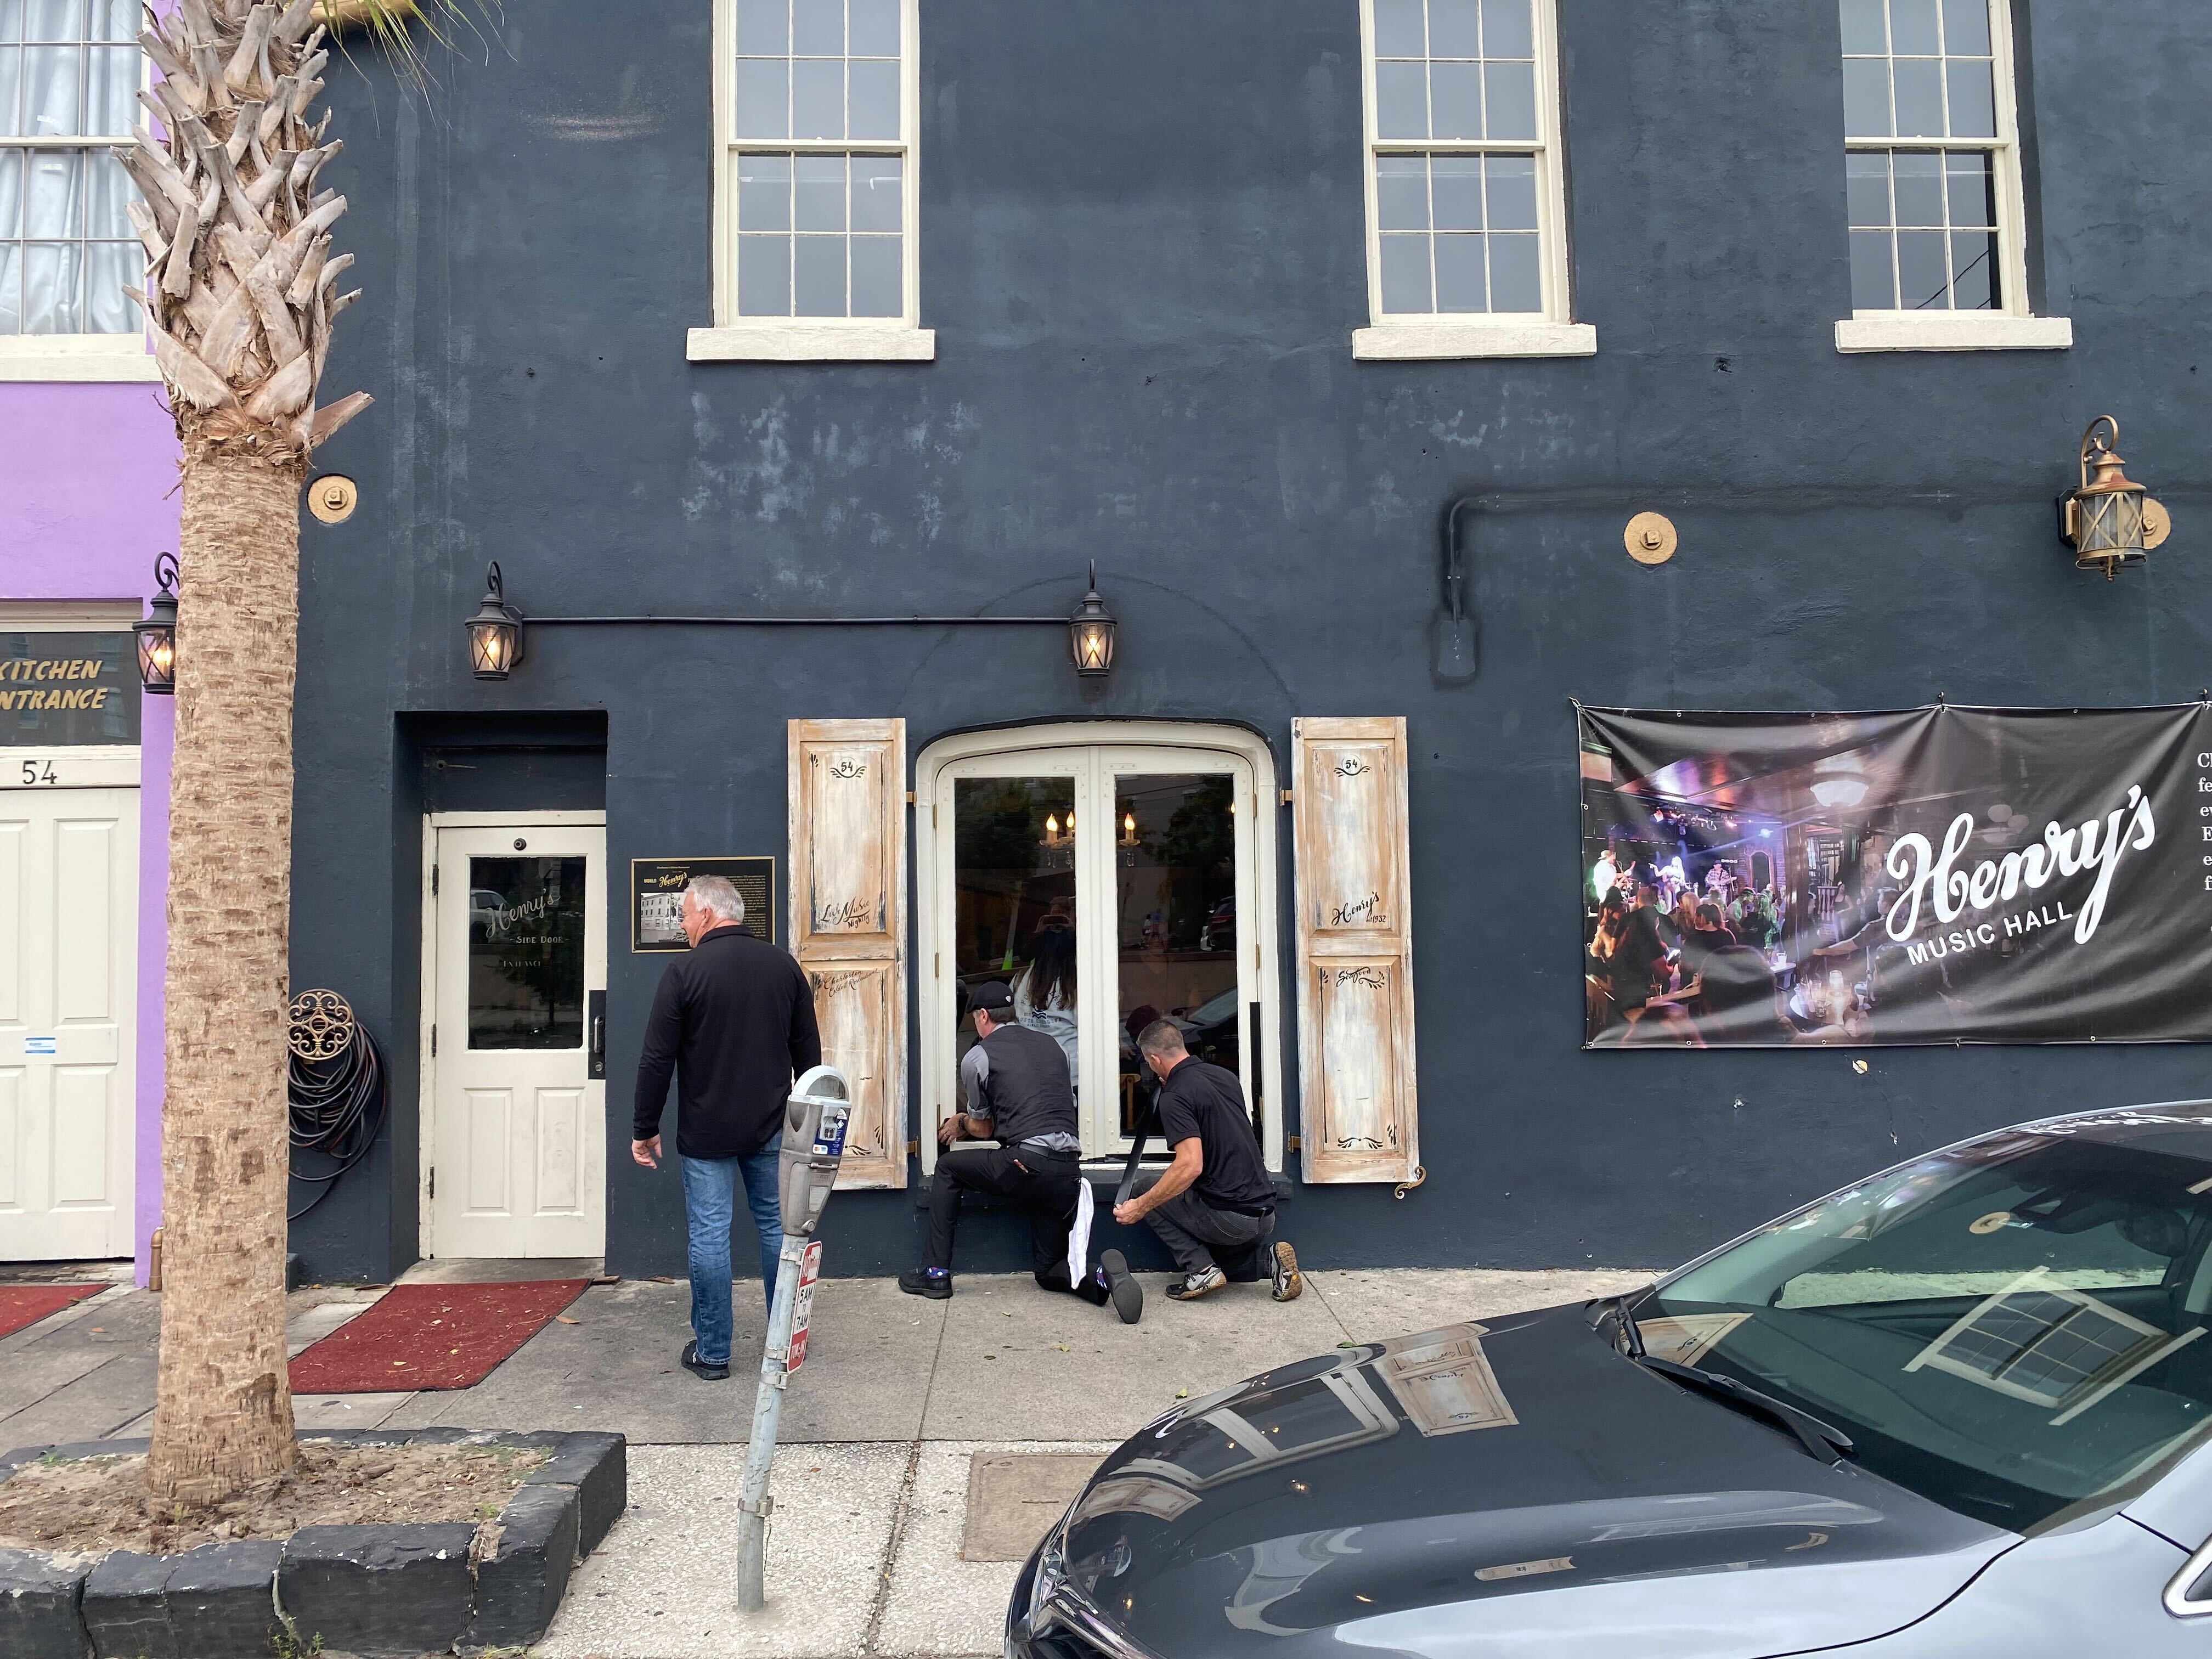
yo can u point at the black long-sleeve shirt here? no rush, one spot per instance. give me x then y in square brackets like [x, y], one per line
[734, 1021]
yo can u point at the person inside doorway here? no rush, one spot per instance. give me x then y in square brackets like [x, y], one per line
[1044, 991]
[1213, 1207]
[734, 1023]
[1014, 1087]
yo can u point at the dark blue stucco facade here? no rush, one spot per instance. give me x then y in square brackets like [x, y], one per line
[1141, 249]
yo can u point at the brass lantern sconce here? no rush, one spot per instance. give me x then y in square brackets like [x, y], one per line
[157, 634]
[496, 631]
[1091, 633]
[2109, 520]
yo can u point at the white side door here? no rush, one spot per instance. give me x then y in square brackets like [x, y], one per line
[515, 1159]
[69, 959]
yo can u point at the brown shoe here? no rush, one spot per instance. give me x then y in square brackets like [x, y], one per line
[1288, 1283]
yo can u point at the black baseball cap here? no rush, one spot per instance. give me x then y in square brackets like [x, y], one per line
[992, 994]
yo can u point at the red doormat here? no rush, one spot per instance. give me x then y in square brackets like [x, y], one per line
[430, 1336]
[22, 1305]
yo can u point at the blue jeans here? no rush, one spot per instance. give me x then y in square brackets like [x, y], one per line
[710, 1192]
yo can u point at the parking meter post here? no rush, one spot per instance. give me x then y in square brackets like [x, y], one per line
[754, 1504]
[814, 1122]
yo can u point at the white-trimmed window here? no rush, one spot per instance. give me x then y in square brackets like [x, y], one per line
[1466, 198]
[69, 72]
[1931, 159]
[815, 243]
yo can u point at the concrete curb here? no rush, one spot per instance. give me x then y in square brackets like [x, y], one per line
[380, 1592]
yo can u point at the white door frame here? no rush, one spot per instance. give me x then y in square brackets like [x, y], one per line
[427, 912]
[936, 1002]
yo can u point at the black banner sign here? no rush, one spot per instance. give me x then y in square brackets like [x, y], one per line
[656, 897]
[1936, 875]
[58, 688]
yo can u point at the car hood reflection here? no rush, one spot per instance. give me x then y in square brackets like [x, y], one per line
[1447, 1493]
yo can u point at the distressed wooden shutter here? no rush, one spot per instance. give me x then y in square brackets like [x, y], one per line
[849, 923]
[1355, 951]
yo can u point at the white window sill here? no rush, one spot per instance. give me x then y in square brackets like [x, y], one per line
[1957, 331]
[819, 343]
[1407, 341]
[77, 357]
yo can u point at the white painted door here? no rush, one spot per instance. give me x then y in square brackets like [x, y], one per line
[68, 962]
[516, 1161]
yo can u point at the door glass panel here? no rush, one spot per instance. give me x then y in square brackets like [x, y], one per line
[527, 953]
[1013, 874]
[1175, 885]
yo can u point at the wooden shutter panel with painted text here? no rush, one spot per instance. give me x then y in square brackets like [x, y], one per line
[1355, 951]
[848, 790]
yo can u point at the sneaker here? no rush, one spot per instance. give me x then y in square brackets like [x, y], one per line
[700, 1368]
[1288, 1284]
[1127, 1295]
[935, 1283]
[1191, 1286]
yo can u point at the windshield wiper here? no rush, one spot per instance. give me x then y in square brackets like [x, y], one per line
[1623, 1322]
[1823, 1440]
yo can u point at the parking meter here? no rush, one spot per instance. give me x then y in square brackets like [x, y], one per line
[814, 1120]
[815, 1117]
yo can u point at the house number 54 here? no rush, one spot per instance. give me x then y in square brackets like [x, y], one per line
[39, 771]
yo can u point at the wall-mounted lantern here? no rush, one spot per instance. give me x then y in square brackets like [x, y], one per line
[157, 634]
[496, 631]
[2103, 520]
[1091, 633]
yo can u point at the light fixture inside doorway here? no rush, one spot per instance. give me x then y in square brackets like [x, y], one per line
[157, 634]
[1129, 829]
[496, 631]
[1091, 633]
[2103, 518]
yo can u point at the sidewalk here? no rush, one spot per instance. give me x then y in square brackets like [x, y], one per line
[881, 1429]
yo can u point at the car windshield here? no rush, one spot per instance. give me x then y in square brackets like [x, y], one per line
[2011, 1328]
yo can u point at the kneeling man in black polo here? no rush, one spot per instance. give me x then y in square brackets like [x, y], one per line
[1016, 1092]
[1215, 1206]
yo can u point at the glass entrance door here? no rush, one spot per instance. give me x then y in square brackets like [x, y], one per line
[1105, 884]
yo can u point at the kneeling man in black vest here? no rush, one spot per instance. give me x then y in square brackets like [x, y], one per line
[1016, 1092]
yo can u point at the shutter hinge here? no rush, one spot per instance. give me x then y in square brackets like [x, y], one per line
[1286, 797]
[1292, 1142]
[433, 1042]
[434, 881]
[909, 797]
[434, 1182]
[913, 1149]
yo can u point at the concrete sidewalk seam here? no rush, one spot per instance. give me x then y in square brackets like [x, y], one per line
[871, 1638]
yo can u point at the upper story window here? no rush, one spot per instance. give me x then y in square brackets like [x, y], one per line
[68, 73]
[1464, 195]
[1932, 167]
[815, 208]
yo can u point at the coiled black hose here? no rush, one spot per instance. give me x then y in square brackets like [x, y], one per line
[337, 1109]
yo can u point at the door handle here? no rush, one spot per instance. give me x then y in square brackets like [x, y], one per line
[595, 1020]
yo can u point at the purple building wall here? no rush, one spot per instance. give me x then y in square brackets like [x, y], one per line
[88, 477]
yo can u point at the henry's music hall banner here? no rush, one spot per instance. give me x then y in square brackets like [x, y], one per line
[1935, 875]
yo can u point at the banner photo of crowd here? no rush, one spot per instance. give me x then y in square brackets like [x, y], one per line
[1937, 875]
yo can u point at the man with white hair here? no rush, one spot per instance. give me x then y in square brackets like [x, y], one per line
[734, 1022]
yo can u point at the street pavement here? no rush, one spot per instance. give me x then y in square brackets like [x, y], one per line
[881, 1430]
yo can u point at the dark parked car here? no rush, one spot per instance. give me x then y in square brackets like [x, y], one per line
[1959, 1409]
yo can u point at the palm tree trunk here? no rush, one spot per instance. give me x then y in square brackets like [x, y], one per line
[223, 1416]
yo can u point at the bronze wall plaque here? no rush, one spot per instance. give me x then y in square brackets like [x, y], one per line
[656, 898]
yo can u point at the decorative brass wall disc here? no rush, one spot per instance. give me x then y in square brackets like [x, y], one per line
[331, 498]
[321, 1025]
[1650, 539]
[2158, 523]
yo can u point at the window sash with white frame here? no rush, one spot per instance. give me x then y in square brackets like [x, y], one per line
[815, 243]
[1466, 193]
[1936, 204]
[1095, 773]
[70, 73]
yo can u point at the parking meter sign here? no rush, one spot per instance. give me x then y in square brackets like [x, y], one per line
[802, 1306]
[829, 1138]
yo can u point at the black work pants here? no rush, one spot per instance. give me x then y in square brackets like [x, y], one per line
[1045, 1186]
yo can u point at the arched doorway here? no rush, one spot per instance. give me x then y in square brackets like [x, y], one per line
[1119, 871]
